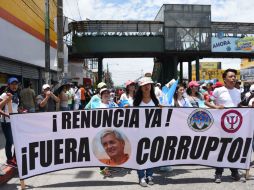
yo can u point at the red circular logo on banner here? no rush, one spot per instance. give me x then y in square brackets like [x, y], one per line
[231, 121]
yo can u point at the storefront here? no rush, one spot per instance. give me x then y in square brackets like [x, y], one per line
[24, 73]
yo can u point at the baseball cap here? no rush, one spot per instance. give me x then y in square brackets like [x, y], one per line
[193, 83]
[45, 86]
[103, 90]
[129, 82]
[12, 79]
[218, 84]
[101, 84]
[145, 80]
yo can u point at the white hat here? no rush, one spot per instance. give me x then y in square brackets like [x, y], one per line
[45, 86]
[145, 80]
[101, 84]
[103, 90]
[252, 88]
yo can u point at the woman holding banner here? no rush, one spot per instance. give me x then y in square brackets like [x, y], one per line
[127, 98]
[145, 96]
[179, 100]
[195, 98]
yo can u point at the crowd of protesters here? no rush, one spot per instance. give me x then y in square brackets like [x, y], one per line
[144, 92]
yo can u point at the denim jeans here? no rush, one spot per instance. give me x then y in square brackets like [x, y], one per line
[253, 143]
[6, 127]
[31, 110]
[145, 173]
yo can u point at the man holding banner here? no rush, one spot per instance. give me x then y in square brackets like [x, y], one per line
[225, 97]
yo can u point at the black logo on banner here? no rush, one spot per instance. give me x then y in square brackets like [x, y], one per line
[200, 120]
[231, 121]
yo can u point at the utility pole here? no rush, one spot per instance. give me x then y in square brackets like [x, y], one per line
[100, 69]
[107, 73]
[60, 45]
[47, 43]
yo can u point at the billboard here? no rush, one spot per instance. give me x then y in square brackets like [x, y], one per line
[233, 44]
[210, 65]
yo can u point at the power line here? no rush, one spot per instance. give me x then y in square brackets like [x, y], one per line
[69, 8]
[42, 12]
[33, 11]
[28, 14]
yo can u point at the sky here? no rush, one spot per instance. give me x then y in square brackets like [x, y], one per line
[122, 69]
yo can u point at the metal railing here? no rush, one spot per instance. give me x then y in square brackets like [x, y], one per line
[117, 28]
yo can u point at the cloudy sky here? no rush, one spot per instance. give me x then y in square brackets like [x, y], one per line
[122, 69]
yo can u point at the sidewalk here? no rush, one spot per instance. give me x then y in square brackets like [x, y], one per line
[182, 178]
[2, 144]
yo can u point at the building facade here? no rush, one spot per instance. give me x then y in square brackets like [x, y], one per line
[22, 48]
[210, 70]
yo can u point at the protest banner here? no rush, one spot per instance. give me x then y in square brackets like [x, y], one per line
[135, 138]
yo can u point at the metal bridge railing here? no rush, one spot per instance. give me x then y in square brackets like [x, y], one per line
[117, 28]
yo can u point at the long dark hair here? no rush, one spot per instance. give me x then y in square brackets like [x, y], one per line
[189, 92]
[127, 91]
[139, 96]
[176, 95]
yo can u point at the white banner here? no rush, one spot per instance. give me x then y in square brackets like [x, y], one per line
[136, 138]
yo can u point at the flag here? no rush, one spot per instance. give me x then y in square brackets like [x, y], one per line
[171, 92]
[168, 94]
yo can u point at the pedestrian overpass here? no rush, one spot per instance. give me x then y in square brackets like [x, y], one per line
[179, 33]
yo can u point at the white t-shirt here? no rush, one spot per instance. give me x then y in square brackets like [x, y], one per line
[184, 102]
[124, 97]
[102, 105]
[227, 97]
[148, 104]
[77, 94]
[14, 107]
[250, 102]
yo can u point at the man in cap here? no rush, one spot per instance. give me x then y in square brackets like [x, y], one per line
[9, 102]
[96, 97]
[46, 101]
